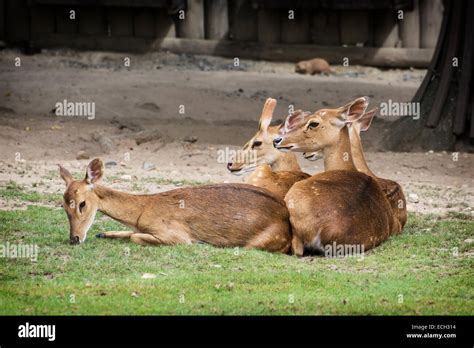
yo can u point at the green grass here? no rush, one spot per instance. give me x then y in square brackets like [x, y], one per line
[105, 276]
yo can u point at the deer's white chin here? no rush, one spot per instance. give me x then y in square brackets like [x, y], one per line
[244, 170]
[287, 148]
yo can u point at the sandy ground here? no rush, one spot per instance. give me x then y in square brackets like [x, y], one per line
[138, 120]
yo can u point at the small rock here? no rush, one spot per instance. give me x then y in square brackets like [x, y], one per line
[134, 294]
[126, 177]
[190, 139]
[469, 240]
[148, 166]
[148, 276]
[110, 164]
[82, 155]
[105, 142]
[413, 197]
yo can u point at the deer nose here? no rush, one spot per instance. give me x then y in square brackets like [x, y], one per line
[277, 141]
[74, 240]
[229, 165]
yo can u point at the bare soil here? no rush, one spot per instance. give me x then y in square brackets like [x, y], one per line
[138, 120]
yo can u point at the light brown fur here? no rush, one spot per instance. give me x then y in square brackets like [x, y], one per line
[224, 215]
[271, 169]
[340, 205]
[313, 66]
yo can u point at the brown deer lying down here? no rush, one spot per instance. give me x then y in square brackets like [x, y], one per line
[225, 215]
[273, 170]
[392, 190]
[341, 205]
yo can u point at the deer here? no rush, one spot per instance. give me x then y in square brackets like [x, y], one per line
[392, 190]
[270, 169]
[340, 206]
[222, 215]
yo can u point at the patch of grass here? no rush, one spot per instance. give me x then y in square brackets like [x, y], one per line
[14, 192]
[426, 270]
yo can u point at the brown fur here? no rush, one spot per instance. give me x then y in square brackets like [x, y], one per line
[338, 206]
[341, 205]
[276, 182]
[224, 215]
[313, 66]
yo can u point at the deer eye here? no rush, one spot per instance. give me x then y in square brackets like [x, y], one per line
[256, 143]
[82, 206]
[313, 125]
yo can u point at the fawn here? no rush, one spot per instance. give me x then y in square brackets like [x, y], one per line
[273, 170]
[223, 215]
[341, 205]
[392, 190]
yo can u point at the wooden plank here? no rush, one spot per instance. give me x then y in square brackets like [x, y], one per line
[325, 28]
[144, 23]
[42, 21]
[296, 30]
[431, 16]
[192, 26]
[243, 21]
[165, 26]
[217, 19]
[91, 21]
[120, 21]
[409, 27]
[385, 28]
[164, 4]
[64, 23]
[17, 23]
[383, 57]
[2, 19]
[269, 26]
[354, 27]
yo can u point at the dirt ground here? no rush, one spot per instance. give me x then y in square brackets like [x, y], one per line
[153, 147]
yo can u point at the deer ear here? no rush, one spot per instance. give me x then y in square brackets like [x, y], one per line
[267, 114]
[366, 120]
[94, 172]
[354, 110]
[65, 175]
[294, 120]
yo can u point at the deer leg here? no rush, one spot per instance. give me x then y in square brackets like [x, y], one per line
[145, 239]
[274, 238]
[115, 234]
[297, 247]
[165, 236]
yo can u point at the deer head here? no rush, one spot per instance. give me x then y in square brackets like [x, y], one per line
[80, 201]
[361, 125]
[259, 149]
[319, 130]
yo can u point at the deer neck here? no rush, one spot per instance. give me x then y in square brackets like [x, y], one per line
[286, 162]
[338, 156]
[358, 152]
[123, 207]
